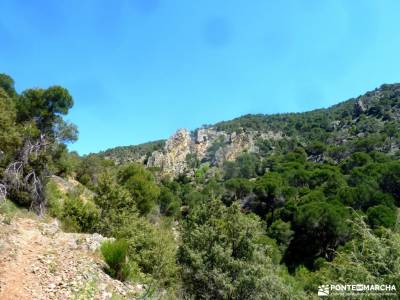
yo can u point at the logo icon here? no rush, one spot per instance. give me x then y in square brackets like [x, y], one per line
[323, 290]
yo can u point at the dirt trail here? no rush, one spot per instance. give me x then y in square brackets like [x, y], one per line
[17, 282]
[38, 261]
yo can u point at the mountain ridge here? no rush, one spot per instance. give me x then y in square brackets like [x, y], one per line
[226, 140]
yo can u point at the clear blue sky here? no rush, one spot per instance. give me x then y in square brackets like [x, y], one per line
[140, 69]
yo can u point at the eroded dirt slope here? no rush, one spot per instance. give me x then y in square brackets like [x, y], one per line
[38, 261]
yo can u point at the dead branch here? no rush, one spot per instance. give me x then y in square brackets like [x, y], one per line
[3, 192]
[18, 179]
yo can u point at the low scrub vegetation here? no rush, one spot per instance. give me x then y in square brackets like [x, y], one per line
[115, 254]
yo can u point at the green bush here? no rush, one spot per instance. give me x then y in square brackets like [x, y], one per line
[169, 203]
[369, 257]
[9, 210]
[225, 255]
[245, 166]
[9, 135]
[320, 227]
[115, 254]
[381, 215]
[55, 199]
[282, 233]
[75, 214]
[141, 185]
[357, 159]
[390, 181]
[316, 148]
[236, 189]
[79, 215]
[150, 248]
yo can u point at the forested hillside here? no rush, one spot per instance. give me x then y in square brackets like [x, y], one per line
[260, 207]
[124, 154]
[364, 124]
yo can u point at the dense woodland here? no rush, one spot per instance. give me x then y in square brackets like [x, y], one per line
[319, 206]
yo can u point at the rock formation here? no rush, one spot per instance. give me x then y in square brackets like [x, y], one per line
[204, 145]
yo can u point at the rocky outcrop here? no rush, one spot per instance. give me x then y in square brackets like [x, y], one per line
[360, 107]
[203, 139]
[173, 158]
[370, 99]
[238, 143]
[204, 145]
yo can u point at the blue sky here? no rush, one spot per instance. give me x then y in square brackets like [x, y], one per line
[140, 69]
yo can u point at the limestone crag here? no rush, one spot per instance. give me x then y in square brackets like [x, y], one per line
[173, 158]
[238, 143]
[205, 145]
[203, 139]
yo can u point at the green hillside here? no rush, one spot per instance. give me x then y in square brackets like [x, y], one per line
[259, 207]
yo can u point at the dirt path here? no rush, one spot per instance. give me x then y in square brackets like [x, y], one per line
[26, 244]
[38, 261]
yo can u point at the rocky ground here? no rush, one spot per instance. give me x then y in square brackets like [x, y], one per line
[39, 261]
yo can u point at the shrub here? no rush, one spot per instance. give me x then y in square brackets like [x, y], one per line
[115, 254]
[381, 215]
[236, 189]
[114, 202]
[79, 215]
[316, 148]
[369, 257]
[9, 209]
[320, 227]
[169, 203]
[9, 136]
[141, 185]
[390, 181]
[357, 159]
[55, 200]
[151, 250]
[282, 233]
[224, 255]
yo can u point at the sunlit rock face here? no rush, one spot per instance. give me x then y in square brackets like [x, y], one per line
[203, 145]
[173, 157]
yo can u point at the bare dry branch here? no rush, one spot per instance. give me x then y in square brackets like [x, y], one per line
[16, 178]
[3, 192]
